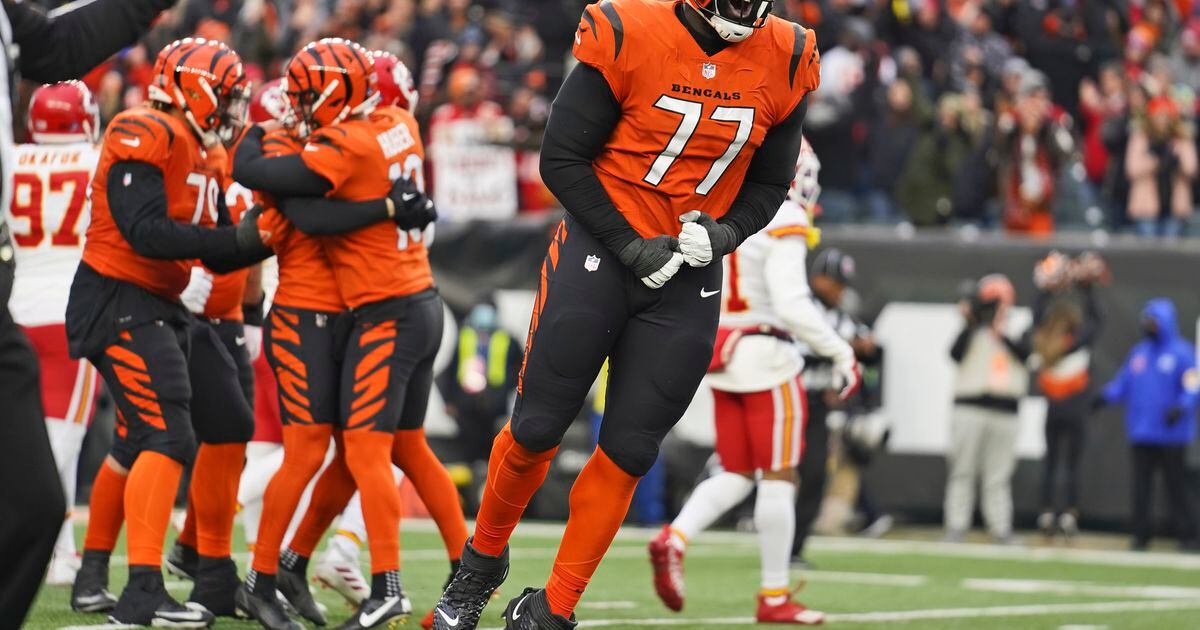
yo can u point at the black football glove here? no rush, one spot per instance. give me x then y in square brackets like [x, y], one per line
[703, 240]
[414, 209]
[249, 237]
[652, 260]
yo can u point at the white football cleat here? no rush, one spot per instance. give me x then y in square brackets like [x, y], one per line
[343, 575]
[62, 569]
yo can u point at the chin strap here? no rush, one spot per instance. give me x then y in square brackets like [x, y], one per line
[729, 31]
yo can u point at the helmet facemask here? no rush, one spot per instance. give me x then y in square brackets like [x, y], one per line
[734, 20]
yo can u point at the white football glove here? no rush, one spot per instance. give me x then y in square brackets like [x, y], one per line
[195, 295]
[254, 341]
[846, 377]
[703, 240]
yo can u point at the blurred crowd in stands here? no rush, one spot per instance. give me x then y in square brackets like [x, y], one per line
[1026, 115]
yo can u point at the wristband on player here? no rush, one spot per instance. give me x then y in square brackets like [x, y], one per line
[252, 313]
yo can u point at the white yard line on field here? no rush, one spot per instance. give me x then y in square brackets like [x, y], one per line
[1062, 587]
[617, 605]
[915, 615]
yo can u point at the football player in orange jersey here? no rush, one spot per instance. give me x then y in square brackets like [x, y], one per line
[683, 118]
[330, 86]
[156, 206]
[410, 452]
[383, 274]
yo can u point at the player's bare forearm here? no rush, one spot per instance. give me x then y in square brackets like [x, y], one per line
[581, 119]
[66, 44]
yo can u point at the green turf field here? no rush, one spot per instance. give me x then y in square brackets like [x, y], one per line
[860, 583]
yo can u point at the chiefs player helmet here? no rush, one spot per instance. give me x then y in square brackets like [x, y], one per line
[206, 81]
[734, 20]
[327, 81]
[394, 81]
[63, 112]
[804, 189]
[269, 103]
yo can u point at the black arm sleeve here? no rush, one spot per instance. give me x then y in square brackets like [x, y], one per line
[140, 212]
[581, 119]
[770, 173]
[67, 44]
[323, 216]
[283, 176]
[230, 261]
[1020, 348]
[959, 349]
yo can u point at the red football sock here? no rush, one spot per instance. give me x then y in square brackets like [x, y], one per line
[599, 502]
[213, 497]
[412, 454]
[369, 457]
[514, 474]
[106, 510]
[151, 488]
[304, 447]
[330, 495]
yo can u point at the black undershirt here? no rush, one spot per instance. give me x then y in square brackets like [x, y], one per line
[582, 118]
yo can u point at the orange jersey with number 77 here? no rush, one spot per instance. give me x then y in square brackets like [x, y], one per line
[361, 157]
[690, 122]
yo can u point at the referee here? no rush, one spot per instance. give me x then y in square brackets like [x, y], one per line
[61, 45]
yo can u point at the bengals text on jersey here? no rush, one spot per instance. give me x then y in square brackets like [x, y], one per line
[361, 158]
[690, 122]
[192, 183]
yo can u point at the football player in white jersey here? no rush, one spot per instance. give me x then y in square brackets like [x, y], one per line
[760, 400]
[50, 210]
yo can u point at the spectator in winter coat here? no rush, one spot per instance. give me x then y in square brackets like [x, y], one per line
[1159, 386]
[1161, 164]
[944, 144]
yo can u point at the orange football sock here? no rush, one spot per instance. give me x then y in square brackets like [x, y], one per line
[330, 495]
[412, 454]
[514, 474]
[106, 510]
[369, 457]
[599, 501]
[149, 497]
[187, 536]
[213, 500]
[304, 447]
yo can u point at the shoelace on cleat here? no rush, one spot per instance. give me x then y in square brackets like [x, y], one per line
[465, 585]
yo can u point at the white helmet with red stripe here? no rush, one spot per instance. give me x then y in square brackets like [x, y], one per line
[62, 113]
[805, 187]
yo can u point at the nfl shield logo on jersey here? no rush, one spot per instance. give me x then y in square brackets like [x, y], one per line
[592, 263]
[709, 70]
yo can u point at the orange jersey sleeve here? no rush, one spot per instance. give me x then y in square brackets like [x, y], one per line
[191, 183]
[379, 261]
[690, 122]
[306, 278]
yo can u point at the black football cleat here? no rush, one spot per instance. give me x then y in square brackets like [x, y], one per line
[531, 611]
[216, 584]
[89, 593]
[267, 611]
[145, 602]
[380, 613]
[183, 561]
[294, 588]
[470, 590]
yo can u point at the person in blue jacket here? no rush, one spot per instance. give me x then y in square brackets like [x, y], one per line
[1160, 387]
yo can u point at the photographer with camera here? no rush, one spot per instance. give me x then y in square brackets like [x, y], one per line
[1161, 164]
[990, 379]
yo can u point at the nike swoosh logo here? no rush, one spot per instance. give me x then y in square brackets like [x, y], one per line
[241, 341]
[374, 617]
[309, 147]
[409, 196]
[136, 142]
[706, 294]
[452, 622]
[517, 608]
